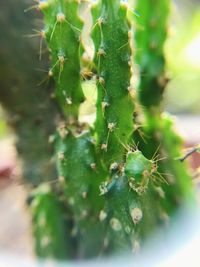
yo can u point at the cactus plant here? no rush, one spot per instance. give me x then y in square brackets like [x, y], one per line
[30, 111]
[132, 197]
[72, 145]
[109, 193]
[150, 38]
[115, 127]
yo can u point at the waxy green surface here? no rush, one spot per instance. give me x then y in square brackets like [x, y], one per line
[150, 37]
[50, 227]
[114, 122]
[63, 34]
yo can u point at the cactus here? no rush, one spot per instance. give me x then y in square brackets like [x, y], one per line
[30, 111]
[81, 188]
[62, 32]
[110, 194]
[50, 224]
[84, 179]
[127, 192]
[150, 38]
[114, 124]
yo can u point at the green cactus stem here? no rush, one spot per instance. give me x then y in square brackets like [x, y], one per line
[129, 215]
[127, 191]
[29, 108]
[150, 37]
[50, 225]
[114, 123]
[81, 170]
[122, 215]
[62, 33]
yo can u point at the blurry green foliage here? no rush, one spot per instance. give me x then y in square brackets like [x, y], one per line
[183, 61]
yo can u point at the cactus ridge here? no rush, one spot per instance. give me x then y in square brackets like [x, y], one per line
[114, 123]
[62, 32]
[150, 38]
[82, 173]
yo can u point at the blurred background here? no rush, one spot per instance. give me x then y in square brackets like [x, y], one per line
[20, 68]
